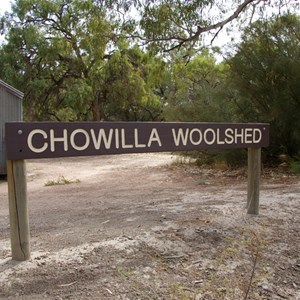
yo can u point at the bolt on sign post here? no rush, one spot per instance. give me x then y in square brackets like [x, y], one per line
[50, 140]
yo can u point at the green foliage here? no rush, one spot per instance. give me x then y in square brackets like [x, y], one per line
[232, 158]
[295, 167]
[61, 180]
[194, 92]
[166, 22]
[128, 82]
[74, 61]
[264, 76]
[57, 44]
[258, 84]
[56, 52]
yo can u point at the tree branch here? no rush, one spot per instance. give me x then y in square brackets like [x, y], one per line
[195, 36]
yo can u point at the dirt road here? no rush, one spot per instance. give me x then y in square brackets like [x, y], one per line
[144, 226]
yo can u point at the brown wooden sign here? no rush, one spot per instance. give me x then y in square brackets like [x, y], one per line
[45, 140]
[42, 140]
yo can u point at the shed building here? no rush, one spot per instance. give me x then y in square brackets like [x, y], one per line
[10, 110]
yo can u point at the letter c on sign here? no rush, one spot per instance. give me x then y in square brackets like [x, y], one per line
[30, 137]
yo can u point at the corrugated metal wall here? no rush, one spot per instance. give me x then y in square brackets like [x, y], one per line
[10, 110]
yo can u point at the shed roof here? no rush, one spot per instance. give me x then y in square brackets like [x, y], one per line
[11, 89]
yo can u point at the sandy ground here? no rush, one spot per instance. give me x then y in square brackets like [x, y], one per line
[146, 226]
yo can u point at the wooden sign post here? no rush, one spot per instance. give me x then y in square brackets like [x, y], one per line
[18, 212]
[254, 168]
[49, 140]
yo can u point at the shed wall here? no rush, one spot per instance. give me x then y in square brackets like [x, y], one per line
[10, 110]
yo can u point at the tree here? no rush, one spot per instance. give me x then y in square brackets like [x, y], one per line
[62, 52]
[182, 24]
[58, 45]
[265, 75]
[59, 52]
[195, 90]
[128, 82]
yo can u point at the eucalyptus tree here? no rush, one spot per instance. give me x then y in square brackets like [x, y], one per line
[58, 45]
[128, 85]
[57, 52]
[195, 90]
[265, 75]
[178, 24]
